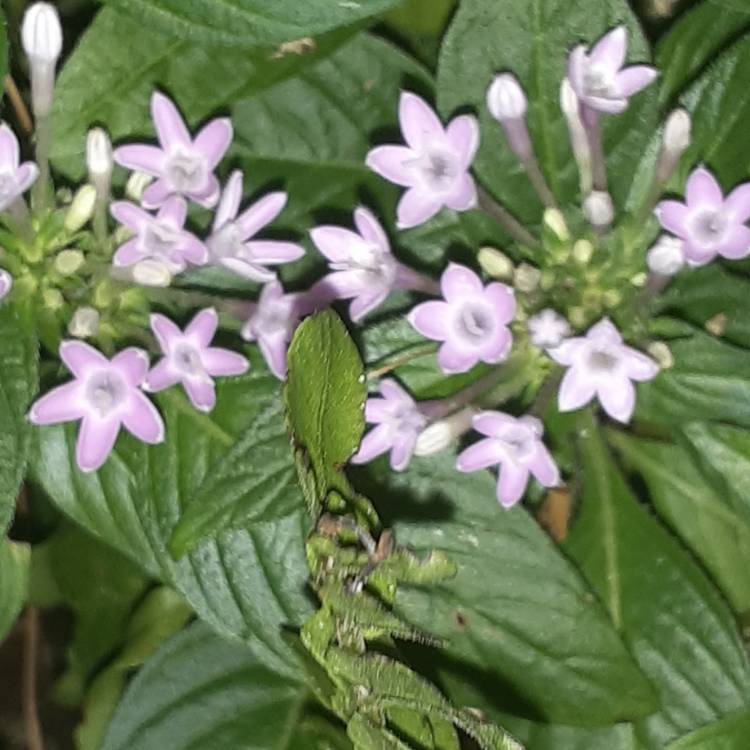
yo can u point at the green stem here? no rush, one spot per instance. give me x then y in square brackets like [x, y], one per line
[505, 219]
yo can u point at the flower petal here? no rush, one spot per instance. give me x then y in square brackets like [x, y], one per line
[611, 49]
[26, 175]
[249, 271]
[80, 357]
[416, 207]
[634, 79]
[496, 348]
[207, 196]
[213, 140]
[463, 134]
[737, 244]
[638, 366]
[193, 250]
[376, 442]
[223, 362]
[128, 254]
[576, 68]
[130, 215]
[501, 297]
[370, 229]
[170, 127]
[61, 404]
[10, 155]
[703, 191]
[576, 390]
[261, 213]
[674, 217]
[737, 203]
[161, 377]
[493, 423]
[96, 438]
[604, 332]
[201, 392]
[377, 410]
[419, 123]
[605, 105]
[274, 252]
[402, 451]
[453, 360]
[617, 397]
[464, 195]
[202, 328]
[156, 194]
[393, 392]
[229, 204]
[148, 159]
[364, 304]
[165, 330]
[569, 351]
[459, 282]
[335, 243]
[273, 349]
[511, 483]
[132, 364]
[544, 468]
[173, 212]
[487, 452]
[394, 163]
[142, 419]
[431, 319]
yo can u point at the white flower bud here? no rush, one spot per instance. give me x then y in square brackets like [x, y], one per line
[506, 99]
[666, 257]
[84, 323]
[569, 103]
[152, 273]
[639, 280]
[6, 283]
[661, 353]
[99, 156]
[68, 262]
[677, 132]
[579, 139]
[136, 184]
[441, 434]
[41, 37]
[53, 299]
[598, 209]
[583, 250]
[495, 264]
[547, 329]
[81, 209]
[555, 220]
[526, 278]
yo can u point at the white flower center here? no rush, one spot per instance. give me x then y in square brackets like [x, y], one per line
[160, 241]
[602, 361]
[474, 322]
[105, 392]
[407, 418]
[187, 359]
[519, 443]
[274, 318]
[709, 228]
[598, 80]
[185, 171]
[438, 170]
[226, 243]
[378, 267]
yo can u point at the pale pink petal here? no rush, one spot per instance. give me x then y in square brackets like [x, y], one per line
[370, 229]
[9, 151]
[274, 252]
[493, 423]
[62, 404]
[261, 213]
[569, 351]
[273, 349]
[576, 390]
[223, 362]
[375, 443]
[156, 194]
[173, 212]
[463, 134]
[142, 419]
[132, 364]
[487, 452]
[202, 328]
[611, 49]
[696, 255]
[26, 175]
[419, 123]
[402, 451]
[213, 140]
[148, 159]
[345, 284]
[248, 271]
[377, 410]
[96, 438]
[459, 282]
[431, 319]
[364, 304]
[193, 250]
[634, 79]
[392, 391]
[617, 397]
[607, 106]
[638, 366]
[161, 377]
[674, 217]
[464, 195]
[453, 360]
[170, 127]
[416, 207]
[207, 196]
[229, 204]
[394, 163]
[576, 65]
[128, 254]
[130, 215]
[503, 300]
[702, 190]
[511, 483]
[165, 331]
[737, 244]
[335, 243]
[604, 332]
[201, 392]
[496, 348]
[80, 357]
[737, 203]
[544, 468]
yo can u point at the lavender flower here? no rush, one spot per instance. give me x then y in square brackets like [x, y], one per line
[272, 323]
[182, 165]
[547, 329]
[434, 164]
[600, 365]
[598, 77]
[709, 224]
[6, 283]
[230, 243]
[15, 178]
[189, 359]
[398, 423]
[472, 321]
[105, 396]
[363, 265]
[516, 446]
[161, 237]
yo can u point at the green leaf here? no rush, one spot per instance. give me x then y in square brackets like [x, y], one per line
[698, 508]
[675, 622]
[728, 734]
[532, 38]
[541, 736]
[15, 560]
[250, 23]
[200, 691]
[421, 16]
[19, 381]
[325, 396]
[246, 582]
[522, 632]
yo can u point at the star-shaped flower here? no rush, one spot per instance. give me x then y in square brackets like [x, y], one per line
[598, 77]
[191, 360]
[398, 421]
[434, 164]
[231, 244]
[15, 178]
[516, 446]
[708, 223]
[472, 321]
[547, 329]
[182, 165]
[105, 396]
[162, 237]
[600, 365]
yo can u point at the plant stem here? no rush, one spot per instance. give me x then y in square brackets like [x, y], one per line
[18, 104]
[594, 131]
[505, 219]
[34, 737]
[402, 360]
[537, 180]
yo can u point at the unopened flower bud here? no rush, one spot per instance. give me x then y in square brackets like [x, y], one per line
[441, 434]
[677, 132]
[667, 256]
[611, 298]
[526, 278]
[41, 37]
[582, 251]
[579, 139]
[598, 209]
[99, 157]
[547, 329]
[577, 317]
[639, 279]
[555, 220]
[661, 353]
[68, 262]
[495, 264]
[53, 299]
[84, 323]
[152, 273]
[136, 184]
[506, 99]
[81, 209]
